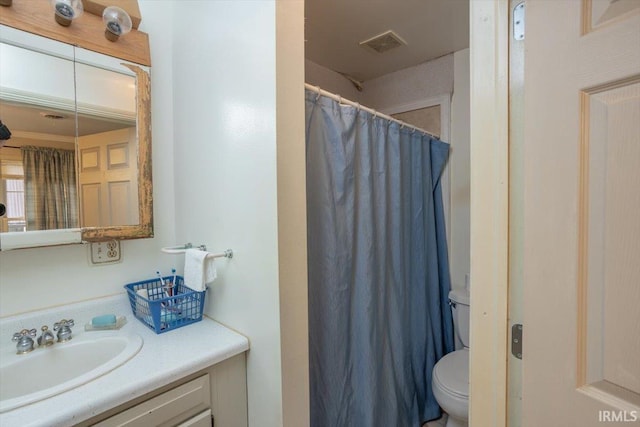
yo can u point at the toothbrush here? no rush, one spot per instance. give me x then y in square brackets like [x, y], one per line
[164, 286]
[173, 283]
[161, 279]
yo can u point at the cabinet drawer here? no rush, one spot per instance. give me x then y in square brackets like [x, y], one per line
[203, 419]
[167, 409]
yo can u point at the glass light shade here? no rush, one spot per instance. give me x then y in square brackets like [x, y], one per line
[66, 10]
[117, 22]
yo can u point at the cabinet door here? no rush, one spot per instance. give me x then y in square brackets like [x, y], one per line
[169, 408]
[203, 419]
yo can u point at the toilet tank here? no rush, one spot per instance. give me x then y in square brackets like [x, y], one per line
[459, 299]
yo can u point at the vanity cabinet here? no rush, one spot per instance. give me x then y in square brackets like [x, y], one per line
[174, 407]
[216, 395]
[203, 419]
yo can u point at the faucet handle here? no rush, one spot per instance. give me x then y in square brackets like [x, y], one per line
[23, 334]
[62, 324]
[25, 340]
[64, 329]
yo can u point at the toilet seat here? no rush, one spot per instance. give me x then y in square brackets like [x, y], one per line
[451, 374]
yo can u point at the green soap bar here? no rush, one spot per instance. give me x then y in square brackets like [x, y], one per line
[104, 320]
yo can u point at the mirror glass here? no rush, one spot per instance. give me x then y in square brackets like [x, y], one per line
[38, 162]
[107, 147]
[79, 156]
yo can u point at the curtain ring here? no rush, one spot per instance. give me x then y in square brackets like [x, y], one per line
[339, 100]
[318, 95]
[358, 106]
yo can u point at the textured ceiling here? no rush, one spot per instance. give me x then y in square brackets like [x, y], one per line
[431, 28]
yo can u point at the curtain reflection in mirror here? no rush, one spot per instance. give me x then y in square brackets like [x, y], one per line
[51, 199]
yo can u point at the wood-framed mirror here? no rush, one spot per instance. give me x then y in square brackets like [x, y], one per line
[68, 106]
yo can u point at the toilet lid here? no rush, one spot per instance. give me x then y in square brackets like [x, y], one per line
[452, 373]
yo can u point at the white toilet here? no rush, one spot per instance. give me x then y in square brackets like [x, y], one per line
[451, 373]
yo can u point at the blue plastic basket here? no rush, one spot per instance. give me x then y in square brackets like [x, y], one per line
[163, 310]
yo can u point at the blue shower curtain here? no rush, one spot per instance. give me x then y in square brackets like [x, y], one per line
[378, 268]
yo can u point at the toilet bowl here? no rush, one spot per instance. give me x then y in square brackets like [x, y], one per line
[451, 387]
[450, 382]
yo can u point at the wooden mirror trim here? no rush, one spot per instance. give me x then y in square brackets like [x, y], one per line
[145, 182]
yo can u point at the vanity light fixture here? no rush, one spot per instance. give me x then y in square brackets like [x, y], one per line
[66, 10]
[117, 23]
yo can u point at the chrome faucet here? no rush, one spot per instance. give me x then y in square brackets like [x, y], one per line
[64, 329]
[25, 340]
[47, 338]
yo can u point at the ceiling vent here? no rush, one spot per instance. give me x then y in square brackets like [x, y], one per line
[53, 116]
[383, 42]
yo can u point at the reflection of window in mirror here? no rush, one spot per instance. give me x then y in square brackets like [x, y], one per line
[12, 192]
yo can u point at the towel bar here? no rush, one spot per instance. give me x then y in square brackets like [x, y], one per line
[183, 248]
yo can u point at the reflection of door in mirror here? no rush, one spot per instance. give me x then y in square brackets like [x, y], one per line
[108, 174]
[108, 178]
[37, 163]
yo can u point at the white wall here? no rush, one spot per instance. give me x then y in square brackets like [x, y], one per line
[21, 71]
[410, 85]
[328, 79]
[224, 102]
[32, 279]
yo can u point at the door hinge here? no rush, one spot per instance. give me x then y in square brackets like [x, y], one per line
[516, 340]
[518, 21]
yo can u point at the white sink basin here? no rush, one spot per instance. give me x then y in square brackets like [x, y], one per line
[47, 371]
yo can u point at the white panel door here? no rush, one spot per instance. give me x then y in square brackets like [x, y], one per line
[581, 359]
[108, 178]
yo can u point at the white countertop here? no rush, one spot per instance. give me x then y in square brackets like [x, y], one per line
[163, 358]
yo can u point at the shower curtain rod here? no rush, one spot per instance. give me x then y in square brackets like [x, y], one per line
[375, 113]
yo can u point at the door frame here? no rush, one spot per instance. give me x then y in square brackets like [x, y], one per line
[489, 148]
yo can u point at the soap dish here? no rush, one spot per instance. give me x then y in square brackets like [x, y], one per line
[120, 322]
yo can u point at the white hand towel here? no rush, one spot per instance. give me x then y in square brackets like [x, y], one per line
[198, 269]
